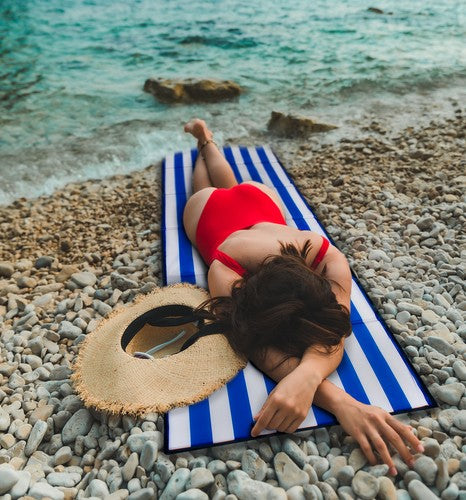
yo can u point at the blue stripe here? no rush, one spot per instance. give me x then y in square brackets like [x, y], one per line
[269, 383]
[184, 245]
[350, 380]
[228, 153]
[194, 155]
[250, 164]
[200, 424]
[240, 408]
[322, 416]
[279, 186]
[380, 366]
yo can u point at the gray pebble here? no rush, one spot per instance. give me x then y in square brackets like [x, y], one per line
[64, 479]
[144, 494]
[230, 452]
[460, 420]
[122, 282]
[136, 441]
[22, 486]
[217, 467]
[148, 455]
[427, 469]
[4, 420]
[419, 491]
[294, 452]
[78, 425]
[84, 278]
[450, 493]
[200, 478]
[441, 345]
[312, 492]
[114, 479]
[35, 437]
[345, 475]
[365, 485]
[459, 368]
[295, 493]
[288, 473]
[42, 490]
[164, 467]
[193, 494]
[129, 468]
[245, 488]
[176, 484]
[69, 331]
[253, 465]
[357, 459]
[450, 393]
[8, 478]
[97, 488]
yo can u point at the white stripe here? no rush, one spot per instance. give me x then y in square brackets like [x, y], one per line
[399, 369]
[366, 374]
[179, 433]
[310, 420]
[362, 305]
[220, 416]
[257, 391]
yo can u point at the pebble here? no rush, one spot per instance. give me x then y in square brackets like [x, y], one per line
[8, 478]
[143, 494]
[129, 468]
[97, 488]
[426, 468]
[253, 465]
[64, 479]
[84, 278]
[137, 441]
[6, 269]
[459, 367]
[200, 478]
[419, 491]
[44, 261]
[35, 437]
[288, 473]
[357, 459]
[148, 455]
[122, 282]
[176, 484]
[441, 345]
[193, 494]
[450, 393]
[387, 490]
[459, 420]
[78, 425]
[4, 420]
[245, 488]
[450, 493]
[69, 331]
[22, 486]
[294, 452]
[365, 485]
[42, 490]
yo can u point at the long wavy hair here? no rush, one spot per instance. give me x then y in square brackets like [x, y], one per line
[284, 305]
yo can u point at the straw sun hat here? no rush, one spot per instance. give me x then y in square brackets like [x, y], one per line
[190, 360]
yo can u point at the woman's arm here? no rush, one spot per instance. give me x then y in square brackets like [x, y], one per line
[371, 426]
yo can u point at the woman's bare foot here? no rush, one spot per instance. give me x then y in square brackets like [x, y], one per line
[198, 129]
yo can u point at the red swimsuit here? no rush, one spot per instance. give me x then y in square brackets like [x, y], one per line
[233, 209]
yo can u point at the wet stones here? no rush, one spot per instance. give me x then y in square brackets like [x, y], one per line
[295, 125]
[191, 90]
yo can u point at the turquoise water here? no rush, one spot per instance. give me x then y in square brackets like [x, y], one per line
[71, 74]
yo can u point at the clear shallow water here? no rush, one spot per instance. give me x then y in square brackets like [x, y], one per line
[71, 75]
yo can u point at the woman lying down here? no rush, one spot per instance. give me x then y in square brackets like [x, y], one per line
[286, 294]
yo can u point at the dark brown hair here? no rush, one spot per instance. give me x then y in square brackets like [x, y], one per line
[285, 305]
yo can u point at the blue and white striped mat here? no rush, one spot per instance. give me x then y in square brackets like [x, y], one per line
[373, 370]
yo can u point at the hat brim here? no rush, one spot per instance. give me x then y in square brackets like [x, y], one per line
[108, 378]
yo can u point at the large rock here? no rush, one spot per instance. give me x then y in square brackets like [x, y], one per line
[295, 125]
[191, 90]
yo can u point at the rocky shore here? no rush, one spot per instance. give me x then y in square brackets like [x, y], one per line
[393, 204]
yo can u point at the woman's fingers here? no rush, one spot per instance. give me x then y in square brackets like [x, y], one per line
[406, 432]
[366, 448]
[395, 439]
[382, 449]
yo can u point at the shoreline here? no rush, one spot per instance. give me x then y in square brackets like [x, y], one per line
[126, 147]
[392, 202]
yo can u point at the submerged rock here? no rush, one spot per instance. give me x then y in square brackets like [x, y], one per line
[295, 125]
[191, 90]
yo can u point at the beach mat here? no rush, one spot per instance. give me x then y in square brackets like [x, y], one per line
[374, 368]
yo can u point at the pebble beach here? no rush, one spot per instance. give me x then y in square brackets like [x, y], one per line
[393, 204]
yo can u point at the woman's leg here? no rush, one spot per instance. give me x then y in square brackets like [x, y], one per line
[218, 170]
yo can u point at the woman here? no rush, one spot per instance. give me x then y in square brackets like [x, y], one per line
[286, 294]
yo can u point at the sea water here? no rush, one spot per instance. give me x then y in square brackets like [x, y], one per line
[72, 72]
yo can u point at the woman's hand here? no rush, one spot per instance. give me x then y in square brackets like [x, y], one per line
[373, 428]
[288, 403]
